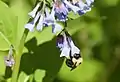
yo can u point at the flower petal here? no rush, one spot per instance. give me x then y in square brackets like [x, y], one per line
[81, 4]
[74, 8]
[56, 28]
[65, 52]
[30, 25]
[47, 12]
[9, 62]
[74, 49]
[33, 12]
[40, 23]
[89, 2]
[49, 19]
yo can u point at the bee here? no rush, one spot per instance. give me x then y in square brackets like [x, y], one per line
[74, 61]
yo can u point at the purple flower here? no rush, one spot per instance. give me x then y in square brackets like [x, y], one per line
[72, 7]
[50, 20]
[61, 11]
[84, 7]
[30, 26]
[9, 61]
[89, 2]
[33, 12]
[66, 45]
[40, 23]
[81, 5]
[56, 28]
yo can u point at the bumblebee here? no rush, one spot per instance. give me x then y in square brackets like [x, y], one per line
[74, 61]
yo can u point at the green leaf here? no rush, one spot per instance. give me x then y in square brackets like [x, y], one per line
[8, 24]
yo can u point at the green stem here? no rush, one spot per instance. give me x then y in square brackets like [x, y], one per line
[18, 56]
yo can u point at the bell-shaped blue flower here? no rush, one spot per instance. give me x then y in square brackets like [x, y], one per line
[49, 19]
[30, 26]
[33, 12]
[89, 2]
[9, 61]
[56, 28]
[75, 9]
[66, 46]
[61, 11]
[40, 23]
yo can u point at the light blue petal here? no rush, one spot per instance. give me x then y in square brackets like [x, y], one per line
[30, 25]
[40, 23]
[81, 4]
[89, 2]
[56, 28]
[74, 8]
[74, 49]
[9, 62]
[47, 12]
[65, 52]
[33, 12]
[49, 19]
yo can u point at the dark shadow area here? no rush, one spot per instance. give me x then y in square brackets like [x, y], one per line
[45, 56]
[97, 52]
[8, 72]
[115, 76]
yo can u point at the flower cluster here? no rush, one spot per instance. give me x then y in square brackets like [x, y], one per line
[68, 50]
[43, 15]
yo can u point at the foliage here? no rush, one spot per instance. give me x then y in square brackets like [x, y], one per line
[96, 33]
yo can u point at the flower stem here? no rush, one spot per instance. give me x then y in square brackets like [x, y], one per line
[18, 56]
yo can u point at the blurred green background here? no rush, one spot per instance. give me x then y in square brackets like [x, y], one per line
[96, 33]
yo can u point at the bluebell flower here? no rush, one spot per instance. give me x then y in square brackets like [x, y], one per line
[40, 23]
[81, 12]
[56, 28]
[82, 5]
[50, 20]
[9, 61]
[75, 9]
[69, 50]
[89, 2]
[30, 26]
[34, 11]
[66, 45]
[61, 11]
